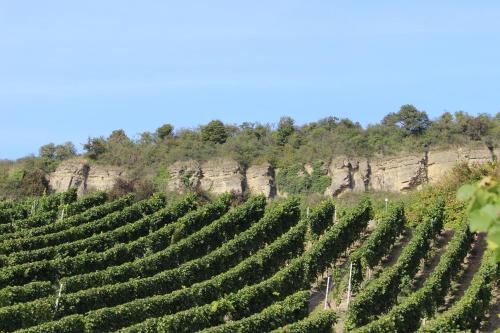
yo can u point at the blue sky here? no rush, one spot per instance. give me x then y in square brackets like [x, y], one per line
[73, 69]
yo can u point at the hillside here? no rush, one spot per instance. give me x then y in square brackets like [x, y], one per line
[187, 265]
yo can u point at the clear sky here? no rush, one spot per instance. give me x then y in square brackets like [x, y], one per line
[73, 69]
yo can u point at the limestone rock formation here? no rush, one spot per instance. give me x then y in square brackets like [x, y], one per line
[79, 174]
[340, 172]
[69, 174]
[394, 174]
[399, 173]
[221, 176]
[102, 178]
[260, 180]
[184, 176]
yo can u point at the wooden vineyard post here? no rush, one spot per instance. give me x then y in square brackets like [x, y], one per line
[326, 293]
[349, 286]
[59, 294]
[62, 214]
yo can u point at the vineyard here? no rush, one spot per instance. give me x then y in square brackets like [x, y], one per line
[92, 264]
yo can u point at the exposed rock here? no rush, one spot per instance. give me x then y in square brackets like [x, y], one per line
[102, 178]
[309, 169]
[441, 162]
[340, 172]
[69, 174]
[260, 180]
[221, 176]
[399, 173]
[79, 174]
[184, 175]
[360, 175]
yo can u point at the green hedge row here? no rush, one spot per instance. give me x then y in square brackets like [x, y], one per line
[274, 223]
[32, 313]
[378, 244]
[297, 275]
[151, 243]
[106, 240]
[15, 228]
[406, 316]
[109, 222]
[467, 313]
[19, 294]
[291, 309]
[25, 208]
[367, 303]
[194, 246]
[270, 227]
[319, 322]
[51, 269]
[257, 267]
[91, 214]
[73, 208]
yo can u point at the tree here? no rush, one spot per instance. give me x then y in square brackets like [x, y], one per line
[65, 151]
[215, 132]
[95, 147]
[409, 118]
[47, 151]
[118, 136]
[34, 183]
[164, 131]
[285, 130]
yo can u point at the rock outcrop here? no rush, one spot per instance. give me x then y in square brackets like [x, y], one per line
[77, 173]
[392, 174]
[184, 176]
[219, 176]
[260, 180]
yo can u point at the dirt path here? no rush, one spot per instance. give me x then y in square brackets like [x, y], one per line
[319, 289]
[492, 321]
[439, 248]
[472, 264]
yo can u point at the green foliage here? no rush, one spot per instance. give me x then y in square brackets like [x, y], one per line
[405, 317]
[295, 179]
[292, 308]
[95, 147]
[319, 178]
[366, 305]
[189, 248]
[285, 129]
[411, 120]
[484, 210]
[51, 270]
[164, 131]
[214, 132]
[297, 275]
[161, 178]
[375, 247]
[89, 215]
[467, 313]
[319, 322]
[16, 175]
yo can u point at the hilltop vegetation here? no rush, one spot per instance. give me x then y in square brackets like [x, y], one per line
[286, 145]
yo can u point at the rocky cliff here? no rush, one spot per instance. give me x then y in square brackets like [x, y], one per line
[393, 174]
[85, 177]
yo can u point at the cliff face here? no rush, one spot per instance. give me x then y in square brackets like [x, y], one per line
[78, 173]
[393, 174]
